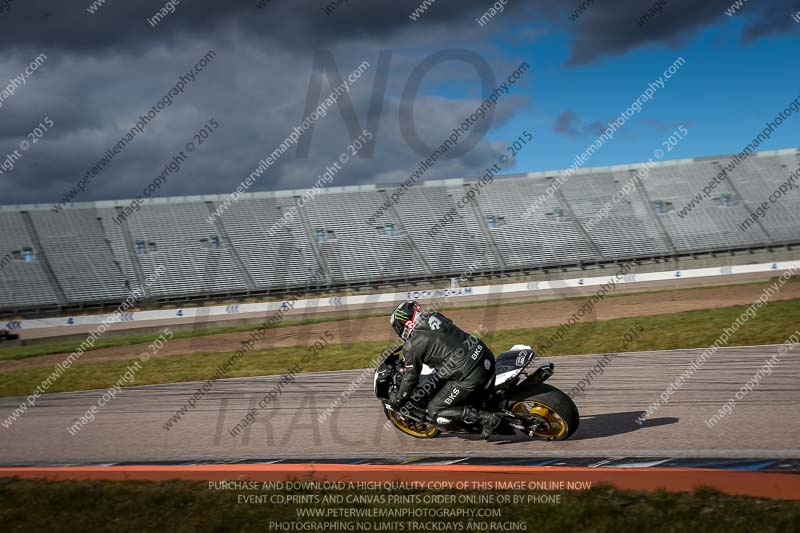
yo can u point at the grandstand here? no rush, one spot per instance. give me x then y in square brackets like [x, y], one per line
[80, 258]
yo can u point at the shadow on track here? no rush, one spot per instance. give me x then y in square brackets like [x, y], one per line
[591, 427]
[609, 424]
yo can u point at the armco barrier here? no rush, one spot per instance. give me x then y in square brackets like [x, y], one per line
[189, 314]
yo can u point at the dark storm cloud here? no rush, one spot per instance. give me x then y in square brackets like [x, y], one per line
[611, 28]
[295, 24]
[393, 161]
[106, 69]
[256, 97]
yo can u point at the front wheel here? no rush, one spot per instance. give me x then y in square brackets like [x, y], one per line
[549, 413]
[409, 427]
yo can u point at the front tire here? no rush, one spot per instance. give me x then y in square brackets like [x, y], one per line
[539, 402]
[416, 430]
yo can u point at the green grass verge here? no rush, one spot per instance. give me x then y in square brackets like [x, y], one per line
[189, 506]
[690, 329]
[35, 350]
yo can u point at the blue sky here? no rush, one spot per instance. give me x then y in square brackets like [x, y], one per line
[724, 93]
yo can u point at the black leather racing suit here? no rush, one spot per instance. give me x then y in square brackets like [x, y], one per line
[462, 365]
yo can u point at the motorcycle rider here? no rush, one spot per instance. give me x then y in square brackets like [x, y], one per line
[463, 369]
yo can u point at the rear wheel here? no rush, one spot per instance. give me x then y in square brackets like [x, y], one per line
[547, 412]
[409, 427]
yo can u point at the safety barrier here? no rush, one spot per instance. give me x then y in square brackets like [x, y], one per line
[207, 312]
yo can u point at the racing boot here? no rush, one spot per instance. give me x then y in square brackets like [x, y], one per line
[468, 415]
[488, 420]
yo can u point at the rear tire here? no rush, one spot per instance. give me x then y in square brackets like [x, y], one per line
[544, 401]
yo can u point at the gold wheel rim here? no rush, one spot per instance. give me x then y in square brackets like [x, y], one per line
[419, 430]
[557, 425]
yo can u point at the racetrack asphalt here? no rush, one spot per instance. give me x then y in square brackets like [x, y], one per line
[763, 423]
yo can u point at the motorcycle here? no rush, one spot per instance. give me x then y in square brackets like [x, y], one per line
[518, 395]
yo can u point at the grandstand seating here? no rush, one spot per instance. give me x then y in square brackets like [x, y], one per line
[247, 224]
[79, 255]
[21, 282]
[82, 257]
[353, 250]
